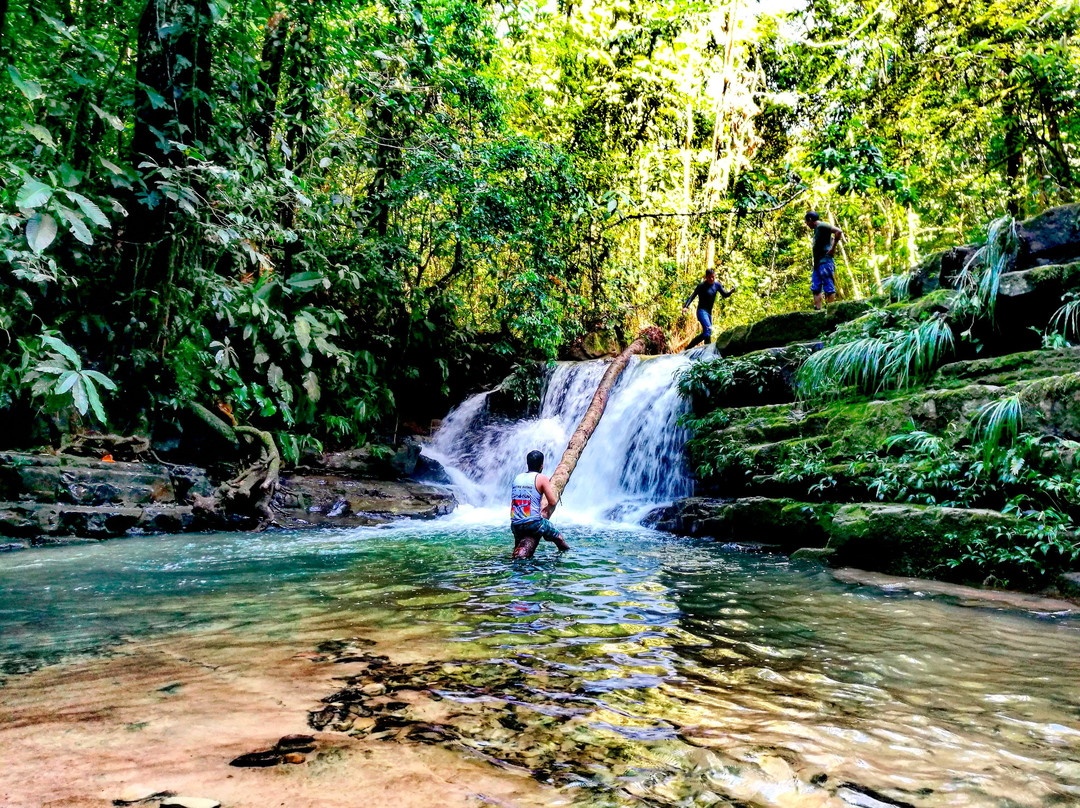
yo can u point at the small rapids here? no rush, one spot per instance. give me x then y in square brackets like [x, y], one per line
[633, 461]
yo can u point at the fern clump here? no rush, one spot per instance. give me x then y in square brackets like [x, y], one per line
[892, 358]
[980, 278]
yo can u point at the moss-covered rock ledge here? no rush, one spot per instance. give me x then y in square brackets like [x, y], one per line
[893, 538]
[934, 433]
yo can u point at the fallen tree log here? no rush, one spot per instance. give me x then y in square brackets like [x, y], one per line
[651, 340]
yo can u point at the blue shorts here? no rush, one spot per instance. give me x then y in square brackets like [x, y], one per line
[705, 319]
[821, 279]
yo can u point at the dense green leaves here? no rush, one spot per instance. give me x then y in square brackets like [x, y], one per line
[332, 217]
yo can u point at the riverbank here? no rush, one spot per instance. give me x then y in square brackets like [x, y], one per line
[50, 499]
[165, 717]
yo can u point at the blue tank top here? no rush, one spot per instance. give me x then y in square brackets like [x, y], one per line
[525, 499]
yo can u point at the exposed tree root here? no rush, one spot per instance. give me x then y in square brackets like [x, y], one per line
[249, 493]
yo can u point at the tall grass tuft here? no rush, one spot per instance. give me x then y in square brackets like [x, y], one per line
[997, 423]
[1066, 320]
[992, 260]
[897, 287]
[890, 359]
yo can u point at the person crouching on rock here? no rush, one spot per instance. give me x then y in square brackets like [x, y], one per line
[532, 500]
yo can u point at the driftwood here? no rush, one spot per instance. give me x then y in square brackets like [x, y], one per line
[650, 340]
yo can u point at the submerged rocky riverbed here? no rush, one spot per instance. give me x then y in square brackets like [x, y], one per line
[637, 669]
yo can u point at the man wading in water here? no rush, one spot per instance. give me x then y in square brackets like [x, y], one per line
[532, 500]
[706, 292]
[826, 237]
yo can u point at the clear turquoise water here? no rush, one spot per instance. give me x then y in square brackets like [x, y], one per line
[713, 678]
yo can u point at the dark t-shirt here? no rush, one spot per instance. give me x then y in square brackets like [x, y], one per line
[706, 294]
[822, 241]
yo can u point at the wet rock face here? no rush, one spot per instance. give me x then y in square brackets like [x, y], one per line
[305, 500]
[44, 499]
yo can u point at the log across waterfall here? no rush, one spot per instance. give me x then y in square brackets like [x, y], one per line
[633, 461]
[651, 339]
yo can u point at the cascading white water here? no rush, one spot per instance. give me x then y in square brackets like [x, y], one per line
[633, 461]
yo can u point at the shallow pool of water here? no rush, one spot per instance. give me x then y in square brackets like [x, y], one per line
[637, 669]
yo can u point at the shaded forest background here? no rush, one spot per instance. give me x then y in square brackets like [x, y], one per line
[330, 218]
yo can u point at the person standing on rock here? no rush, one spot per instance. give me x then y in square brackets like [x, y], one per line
[532, 500]
[825, 237]
[706, 292]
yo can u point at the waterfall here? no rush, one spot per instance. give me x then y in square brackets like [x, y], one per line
[634, 460]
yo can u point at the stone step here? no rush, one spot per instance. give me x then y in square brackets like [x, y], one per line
[45, 523]
[1001, 371]
[1052, 407]
[81, 481]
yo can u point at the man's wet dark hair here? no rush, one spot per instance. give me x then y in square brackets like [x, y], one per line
[535, 460]
[812, 216]
[710, 272]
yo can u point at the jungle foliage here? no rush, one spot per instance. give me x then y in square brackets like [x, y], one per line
[328, 218]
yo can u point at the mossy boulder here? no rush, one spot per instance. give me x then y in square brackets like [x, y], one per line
[1051, 237]
[1008, 369]
[761, 377]
[785, 329]
[905, 539]
[844, 311]
[893, 538]
[1025, 303]
[939, 270]
[731, 341]
[593, 345]
[783, 522]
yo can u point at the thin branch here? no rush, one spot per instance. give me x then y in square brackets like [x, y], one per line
[697, 214]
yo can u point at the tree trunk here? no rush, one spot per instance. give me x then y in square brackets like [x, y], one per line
[273, 58]
[651, 339]
[1014, 155]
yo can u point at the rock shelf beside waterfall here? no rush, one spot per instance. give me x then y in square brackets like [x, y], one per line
[800, 475]
[58, 499]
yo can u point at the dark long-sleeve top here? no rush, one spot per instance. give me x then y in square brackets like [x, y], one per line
[706, 293]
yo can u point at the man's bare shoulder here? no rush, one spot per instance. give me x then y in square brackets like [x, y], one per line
[542, 480]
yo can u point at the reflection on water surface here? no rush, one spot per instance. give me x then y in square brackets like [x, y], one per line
[636, 669]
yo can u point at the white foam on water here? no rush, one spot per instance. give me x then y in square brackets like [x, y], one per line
[633, 462]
